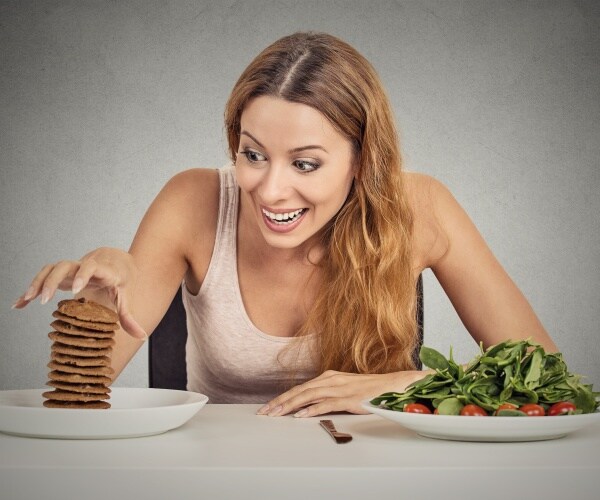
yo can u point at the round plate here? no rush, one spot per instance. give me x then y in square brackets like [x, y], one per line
[133, 413]
[460, 428]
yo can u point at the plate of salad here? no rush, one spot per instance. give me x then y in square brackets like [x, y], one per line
[503, 387]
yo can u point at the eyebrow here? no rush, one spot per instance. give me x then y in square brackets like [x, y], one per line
[294, 150]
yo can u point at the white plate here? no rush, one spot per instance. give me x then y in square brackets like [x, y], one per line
[460, 428]
[133, 413]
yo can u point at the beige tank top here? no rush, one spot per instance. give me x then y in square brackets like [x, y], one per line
[228, 358]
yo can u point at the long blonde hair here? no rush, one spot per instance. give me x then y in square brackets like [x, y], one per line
[364, 312]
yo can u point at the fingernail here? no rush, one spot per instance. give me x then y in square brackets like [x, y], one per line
[302, 413]
[77, 285]
[29, 293]
[275, 411]
[14, 306]
[264, 409]
[45, 296]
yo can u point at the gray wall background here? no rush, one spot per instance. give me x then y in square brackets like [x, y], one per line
[103, 101]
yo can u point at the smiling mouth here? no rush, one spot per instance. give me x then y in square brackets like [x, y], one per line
[285, 218]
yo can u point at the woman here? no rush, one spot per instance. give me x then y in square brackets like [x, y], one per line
[300, 263]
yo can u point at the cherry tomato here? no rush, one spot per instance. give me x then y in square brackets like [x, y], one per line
[473, 411]
[507, 406]
[416, 408]
[533, 410]
[562, 408]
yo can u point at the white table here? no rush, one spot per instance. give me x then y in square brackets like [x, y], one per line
[226, 451]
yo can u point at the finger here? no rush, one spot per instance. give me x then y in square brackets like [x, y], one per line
[87, 270]
[128, 323]
[20, 303]
[97, 274]
[279, 401]
[60, 277]
[132, 327]
[330, 384]
[94, 274]
[330, 405]
[304, 398]
[36, 285]
[320, 408]
[273, 407]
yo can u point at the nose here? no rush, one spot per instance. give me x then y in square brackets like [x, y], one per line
[275, 184]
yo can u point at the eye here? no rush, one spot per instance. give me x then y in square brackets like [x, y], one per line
[305, 166]
[252, 156]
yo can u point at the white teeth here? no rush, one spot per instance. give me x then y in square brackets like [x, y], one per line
[283, 218]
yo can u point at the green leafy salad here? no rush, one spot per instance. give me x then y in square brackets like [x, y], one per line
[512, 378]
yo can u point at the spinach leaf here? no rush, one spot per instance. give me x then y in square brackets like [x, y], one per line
[516, 372]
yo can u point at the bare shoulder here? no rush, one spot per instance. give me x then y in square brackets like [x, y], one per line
[193, 189]
[179, 228]
[193, 198]
[425, 193]
[189, 184]
[184, 212]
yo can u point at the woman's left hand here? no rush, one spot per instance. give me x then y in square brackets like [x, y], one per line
[336, 391]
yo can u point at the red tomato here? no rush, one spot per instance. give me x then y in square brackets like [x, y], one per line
[507, 406]
[436, 412]
[533, 410]
[416, 408]
[562, 408]
[473, 411]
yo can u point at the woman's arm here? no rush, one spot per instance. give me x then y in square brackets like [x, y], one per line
[140, 284]
[486, 299]
[158, 252]
[488, 302]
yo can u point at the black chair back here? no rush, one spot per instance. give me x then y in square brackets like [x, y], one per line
[166, 349]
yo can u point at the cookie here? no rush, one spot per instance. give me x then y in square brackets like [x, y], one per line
[64, 327]
[73, 340]
[67, 359]
[87, 310]
[77, 405]
[85, 388]
[59, 395]
[80, 351]
[81, 370]
[77, 378]
[89, 325]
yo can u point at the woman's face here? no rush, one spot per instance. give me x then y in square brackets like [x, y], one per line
[294, 170]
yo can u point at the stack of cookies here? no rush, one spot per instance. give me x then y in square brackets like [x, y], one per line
[80, 358]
